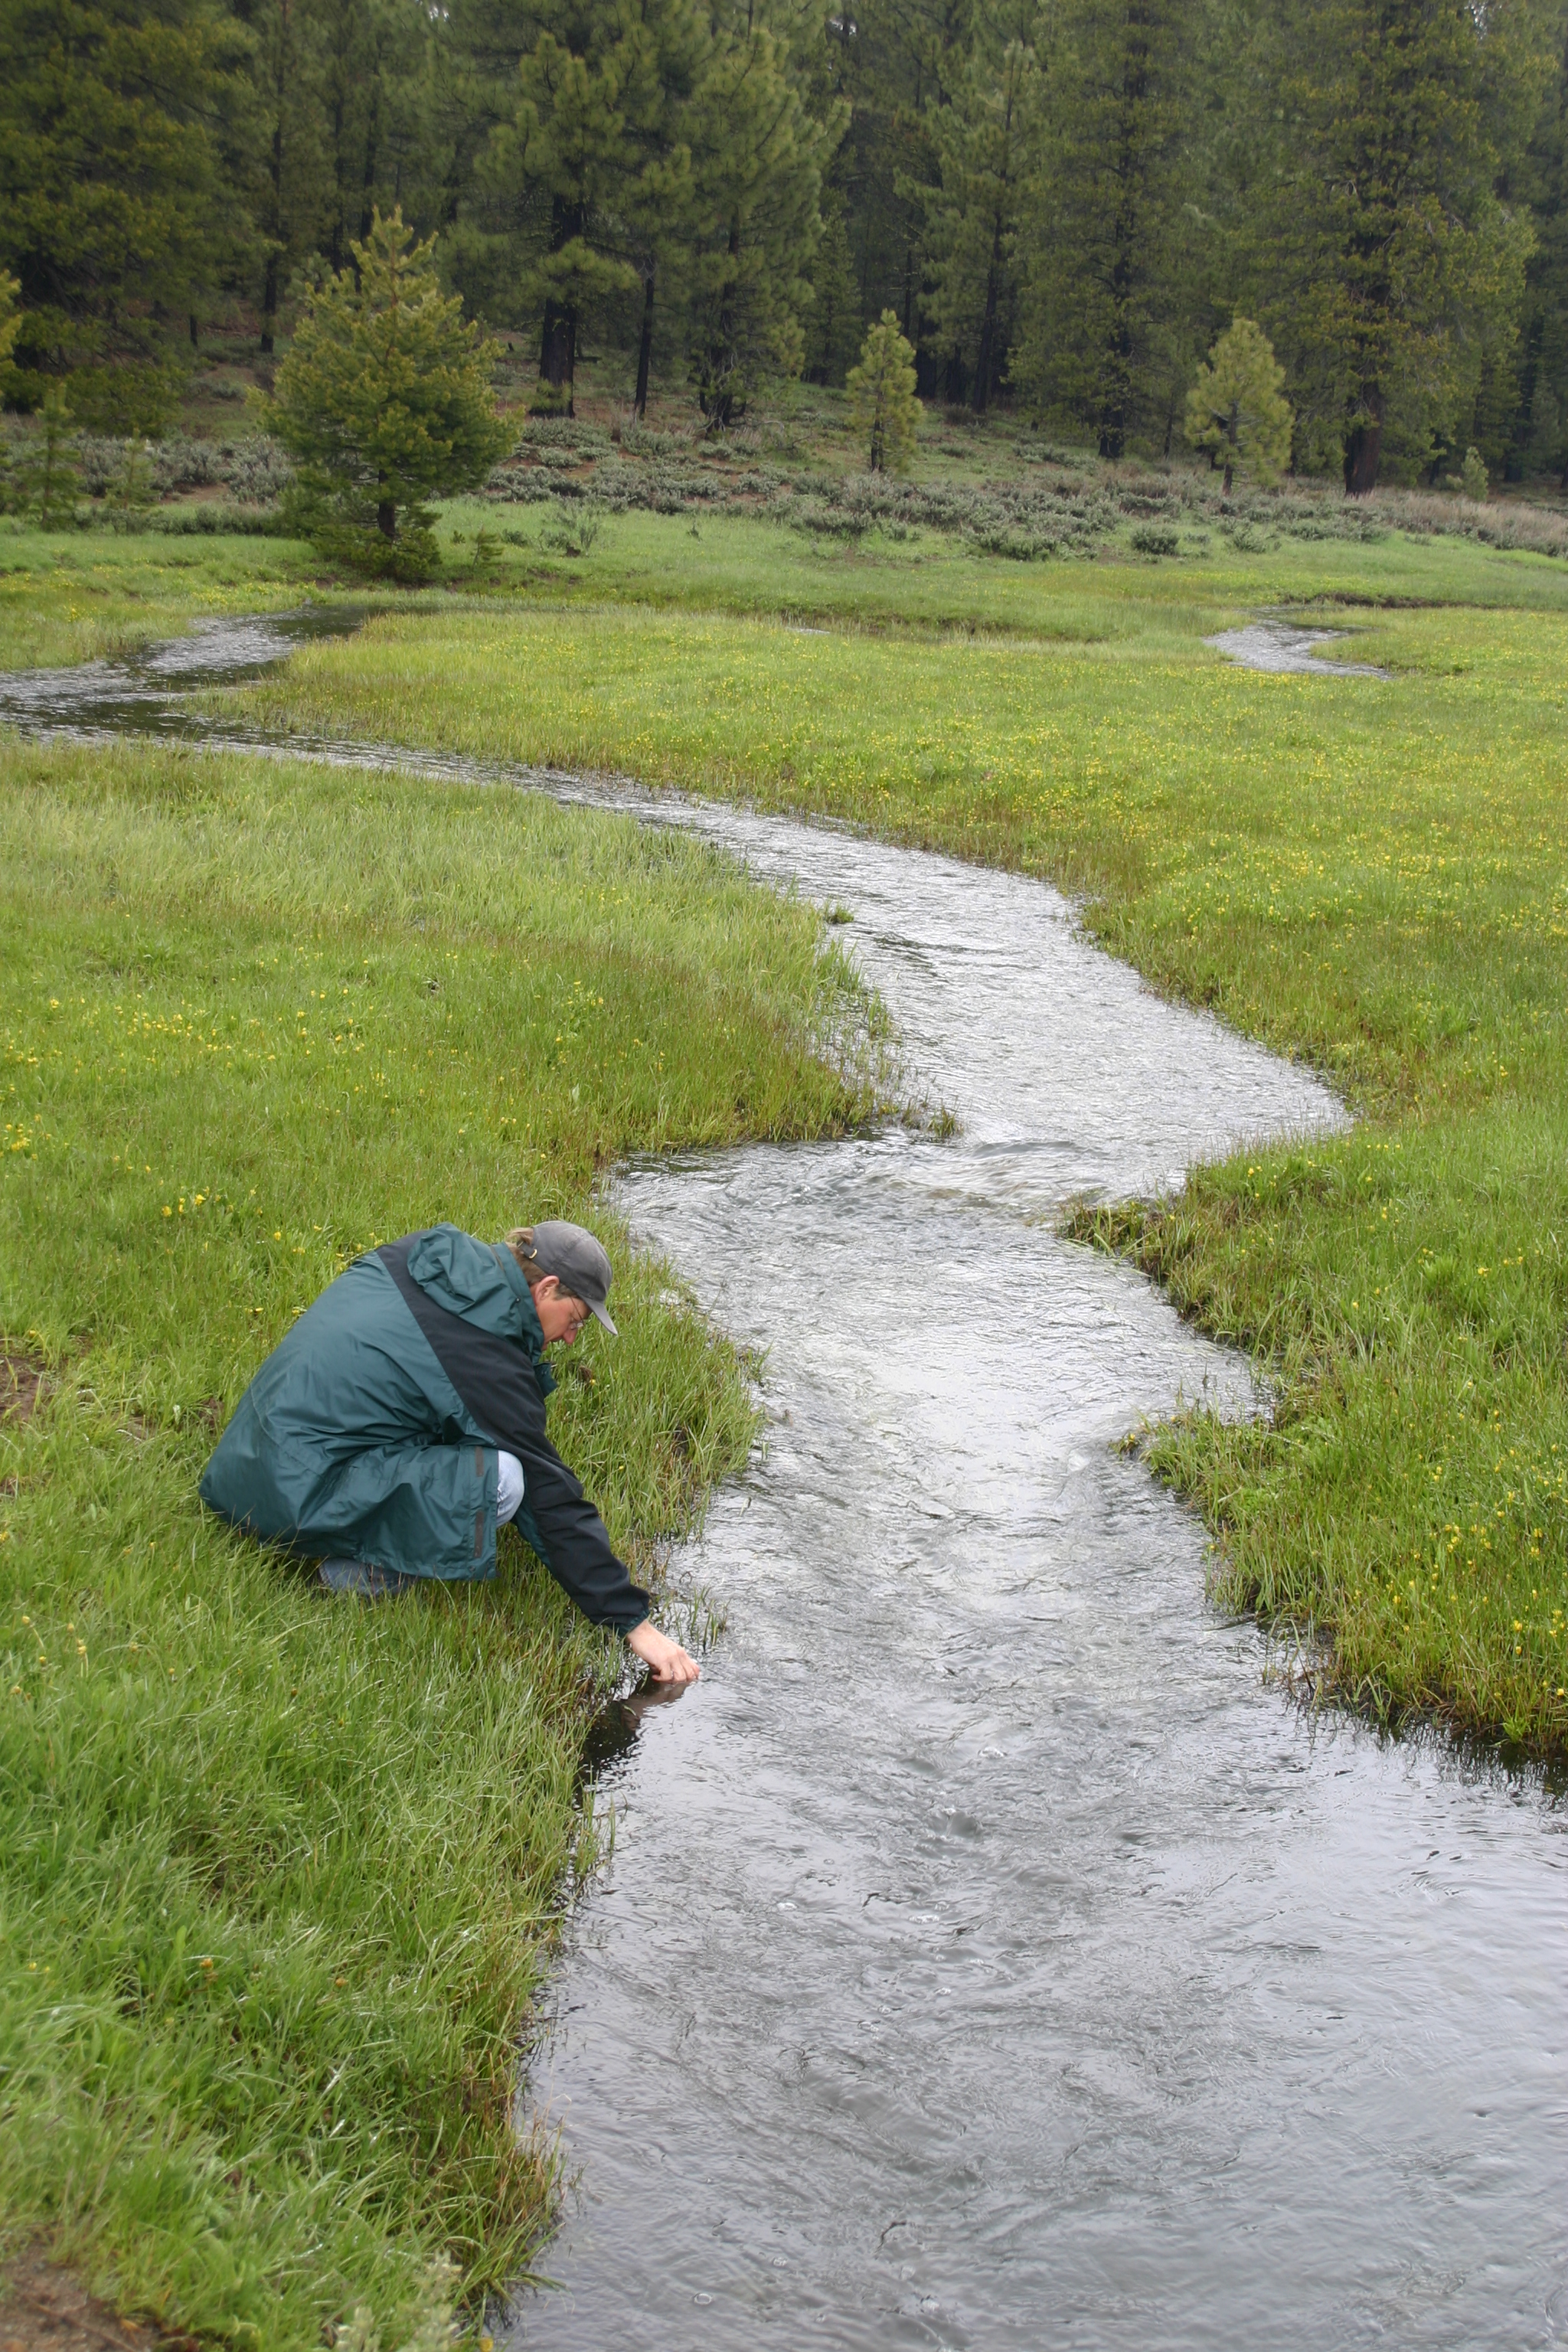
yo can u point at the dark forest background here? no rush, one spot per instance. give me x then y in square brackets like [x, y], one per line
[1063, 202]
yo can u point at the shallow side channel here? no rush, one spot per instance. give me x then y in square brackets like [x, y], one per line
[989, 1959]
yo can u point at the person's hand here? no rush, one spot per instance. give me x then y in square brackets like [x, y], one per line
[665, 1659]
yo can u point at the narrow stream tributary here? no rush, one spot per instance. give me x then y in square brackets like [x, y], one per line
[990, 1956]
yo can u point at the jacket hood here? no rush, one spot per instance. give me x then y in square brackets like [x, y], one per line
[483, 1283]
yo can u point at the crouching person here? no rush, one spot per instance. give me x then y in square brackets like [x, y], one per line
[402, 1422]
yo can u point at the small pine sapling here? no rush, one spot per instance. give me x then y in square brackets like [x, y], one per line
[882, 401]
[1237, 411]
[131, 490]
[384, 398]
[47, 475]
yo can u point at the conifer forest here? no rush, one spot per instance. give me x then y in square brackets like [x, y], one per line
[1063, 202]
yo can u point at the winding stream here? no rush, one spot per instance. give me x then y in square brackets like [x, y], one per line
[1284, 648]
[990, 1956]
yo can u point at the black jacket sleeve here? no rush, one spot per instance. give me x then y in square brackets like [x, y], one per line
[494, 1377]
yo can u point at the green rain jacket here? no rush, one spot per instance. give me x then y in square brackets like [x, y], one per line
[371, 1432]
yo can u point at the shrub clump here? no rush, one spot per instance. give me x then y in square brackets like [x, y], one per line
[1066, 504]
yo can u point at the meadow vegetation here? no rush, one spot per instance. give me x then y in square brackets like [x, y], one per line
[1366, 872]
[988, 530]
[281, 1874]
[282, 1878]
[67, 596]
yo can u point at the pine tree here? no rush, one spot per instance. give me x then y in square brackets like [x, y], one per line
[1236, 409]
[131, 490]
[46, 477]
[983, 137]
[1539, 438]
[882, 401]
[915, 54]
[112, 215]
[385, 397]
[381, 138]
[758, 157]
[291, 186]
[568, 145]
[1386, 260]
[655, 205]
[832, 322]
[594, 165]
[1103, 283]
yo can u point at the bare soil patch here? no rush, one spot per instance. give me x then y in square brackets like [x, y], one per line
[45, 2309]
[21, 1383]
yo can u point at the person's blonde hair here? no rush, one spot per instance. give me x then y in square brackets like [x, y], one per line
[520, 1241]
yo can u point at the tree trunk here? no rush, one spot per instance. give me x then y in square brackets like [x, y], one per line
[644, 345]
[372, 157]
[1231, 427]
[1513, 464]
[269, 304]
[558, 354]
[929, 371]
[275, 173]
[1363, 445]
[986, 366]
[984, 359]
[1116, 390]
[340, 209]
[386, 519]
[558, 338]
[196, 333]
[721, 412]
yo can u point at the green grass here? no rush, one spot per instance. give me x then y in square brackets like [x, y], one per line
[280, 1873]
[739, 564]
[1367, 873]
[65, 595]
[68, 596]
[300, 1013]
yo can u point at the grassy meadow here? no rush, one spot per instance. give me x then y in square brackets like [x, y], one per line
[281, 1873]
[281, 1877]
[67, 596]
[1366, 872]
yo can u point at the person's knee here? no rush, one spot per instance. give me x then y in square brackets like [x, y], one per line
[509, 1487]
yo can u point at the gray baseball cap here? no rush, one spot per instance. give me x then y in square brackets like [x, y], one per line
[578, 1262]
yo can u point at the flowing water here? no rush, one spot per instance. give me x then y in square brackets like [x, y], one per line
[990, 1956]
[1279, 646]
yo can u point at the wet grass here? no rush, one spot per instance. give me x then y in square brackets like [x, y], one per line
[731, 562]
[1367, 873]
[279, 1875]
[69, 595]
